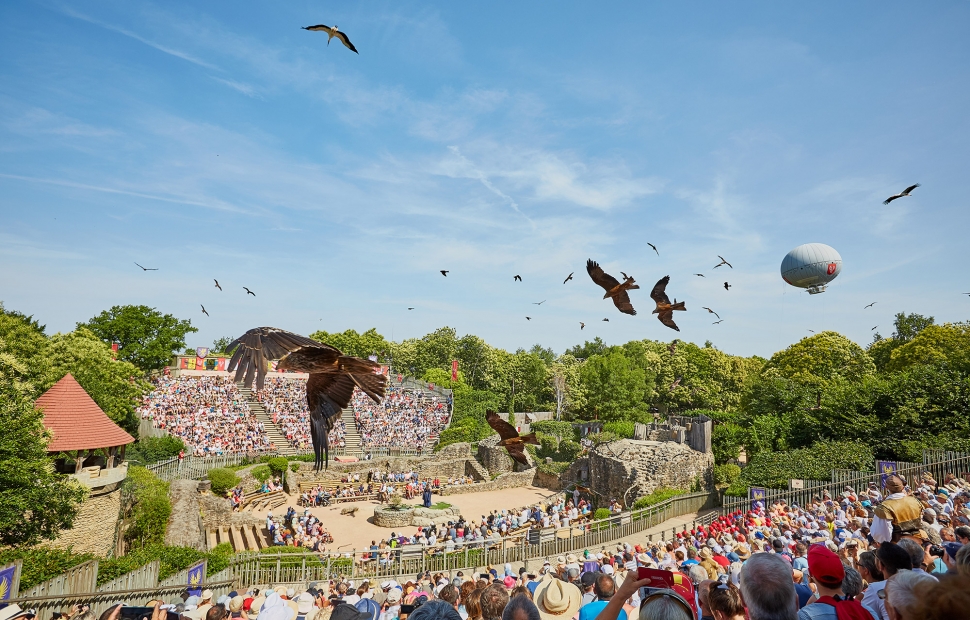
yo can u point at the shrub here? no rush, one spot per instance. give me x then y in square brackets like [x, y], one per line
[601, 513]
[773, 470]
[621, 428]
[222, 480]
[260, 473]
[278, 465]
[561, 430]
[294, 467]
[149, 508]
[659, 495]
[153, 449]
[554, 468]
[726, 474]
[41, 563]
[726, 441]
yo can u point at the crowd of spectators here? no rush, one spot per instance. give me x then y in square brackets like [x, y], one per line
[285, 402]
[406, 418]
[295, 529]
[208, 413]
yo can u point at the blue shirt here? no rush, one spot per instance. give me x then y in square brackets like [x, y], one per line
[589, 612]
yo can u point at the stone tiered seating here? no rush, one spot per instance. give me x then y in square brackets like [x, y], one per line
[334, 486]
[241, 537]
[266, 501]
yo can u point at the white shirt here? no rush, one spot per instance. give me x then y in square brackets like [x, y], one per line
[870, 599]
[882, 529]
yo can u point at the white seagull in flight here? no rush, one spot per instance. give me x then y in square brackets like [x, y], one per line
[333, 32]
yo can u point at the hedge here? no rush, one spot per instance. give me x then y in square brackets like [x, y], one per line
[41, 563]
[153, 449]
[726, 474]
[562, 430]
[222, 480]
[278, 465]
[773, 470]
[621, 428]
[659, 495]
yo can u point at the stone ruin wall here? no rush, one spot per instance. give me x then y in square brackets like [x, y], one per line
[95, 525]
[636, 468]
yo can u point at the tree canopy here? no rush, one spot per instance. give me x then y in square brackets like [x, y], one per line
[147, 338]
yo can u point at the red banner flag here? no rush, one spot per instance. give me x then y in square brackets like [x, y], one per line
[454, 370]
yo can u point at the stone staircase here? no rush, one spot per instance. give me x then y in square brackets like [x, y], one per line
[351, 434]
[283, 445]
[241, 537]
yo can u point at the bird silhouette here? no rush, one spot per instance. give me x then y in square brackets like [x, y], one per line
[727, 287]
[607, 320]
[203, 310]
[901, 194]
[672, 347]
[410, 308]
[581, 326]
[249, 291]
[217, 284]
[812, 330]
[444, 272]
[874, 328]
[519, 278]
[723, 262]
[711, 311]
[818, 403]
[331, 33]
[329, 388]
[871, 305]
[528, 318]
[700, 275]
[613, 288]
[665, 309]
[654, 248]
[675, 384]
[539, 303]
[716, 322]
[148, 268]
[511, 440]
[569, 277]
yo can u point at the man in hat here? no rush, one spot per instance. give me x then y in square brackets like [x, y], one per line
[556, 600]
[827, 573]
[898, 515]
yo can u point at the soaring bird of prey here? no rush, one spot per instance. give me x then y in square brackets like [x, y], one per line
[217, 284]
[331, 33]
[654, 248]
[874, 328]
[511, 440]
[818, 403]
[148, 268]
[711, 311]
[539, 303]
[700, 275]
[612, 287]
[517, 278]
[901, 194]
[673, 346]
[674, 385]
[330, 387]
[665, 309]
[727, 287]
[444, 272]
[871, 305]
[581, 326]
[569, 277]
[203, 310]
[723, 262]
[410, 308]
[716, 322]
[528, 318]
[249, 292]
[607, 320]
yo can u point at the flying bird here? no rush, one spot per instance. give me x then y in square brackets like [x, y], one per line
[148, 268]
[539, 303]
[727, 287]
[517, 277]
[410, 308]
[901, 194]
[812, 330]
[329, 388]
[818, 403]
[203, 310]
[607, 320]
[654, 248]
[581, 326]
[217, 284]
[723, 262]
[444, 272]
[673, 346]
[700, 275]
[675, 384]
[511, 440]
[331, 33]
[871, 305]
[874, 328]
[528, 318]
[716, 322]
[711, 311]
[612, 287]
[664, 309]
[569, 277]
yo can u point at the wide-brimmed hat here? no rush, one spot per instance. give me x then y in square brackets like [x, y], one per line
[12, 611]
[557, 599]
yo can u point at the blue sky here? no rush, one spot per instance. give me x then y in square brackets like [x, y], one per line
[219, 140]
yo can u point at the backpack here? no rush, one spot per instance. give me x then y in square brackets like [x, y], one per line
[369, 606]
[846, 609]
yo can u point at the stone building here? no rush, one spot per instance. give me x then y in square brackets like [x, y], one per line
[90, 448]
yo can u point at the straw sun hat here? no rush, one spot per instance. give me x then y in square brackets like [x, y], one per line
[557, 600]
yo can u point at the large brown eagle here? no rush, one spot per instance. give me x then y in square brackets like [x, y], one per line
[665, 309]
[511, 440]
[613, 287]
[333, 376]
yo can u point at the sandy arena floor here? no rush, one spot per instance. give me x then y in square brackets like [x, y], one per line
[358, 532]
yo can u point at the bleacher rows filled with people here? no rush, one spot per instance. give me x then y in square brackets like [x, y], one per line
[208, 413]
[285, 402]
[405, 418]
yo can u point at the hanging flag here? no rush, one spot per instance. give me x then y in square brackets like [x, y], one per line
[454, 370]
[756, 494]
[9, 582]
[221, 363]
[202, 352]
[196, 579]
[885, 469]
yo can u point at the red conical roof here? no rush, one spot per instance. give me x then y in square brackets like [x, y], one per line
[76, 421]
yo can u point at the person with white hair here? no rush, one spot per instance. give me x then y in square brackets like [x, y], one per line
[767, 588]
[902, 596]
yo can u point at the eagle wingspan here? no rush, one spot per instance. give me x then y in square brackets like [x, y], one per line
[667, 318]
[500, 426]
[622, 303]
[338, 387]
[600, 277]
[255, 349]
[518, 453]
[658, 293]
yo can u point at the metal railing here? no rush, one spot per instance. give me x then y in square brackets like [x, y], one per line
[196, 467]
[937, 463]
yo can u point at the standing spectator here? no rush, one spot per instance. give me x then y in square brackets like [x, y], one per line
[605, 588]
[767, 588]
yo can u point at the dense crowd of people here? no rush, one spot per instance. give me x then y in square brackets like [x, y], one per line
[208, 413]
[406, 418]
[285, 403]
[295, 529]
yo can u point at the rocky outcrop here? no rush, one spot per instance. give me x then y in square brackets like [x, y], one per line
[183, 526]
[634, 468]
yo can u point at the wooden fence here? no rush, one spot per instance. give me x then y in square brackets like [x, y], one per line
[937, 463]
[196, 467]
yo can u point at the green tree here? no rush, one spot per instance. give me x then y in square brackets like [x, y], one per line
[588, 349]
[219, 344]
[614, 387]
[35, 502]
[935, 344]
[359, 345]
[908, 326]
[817, 359]
[147, 338]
